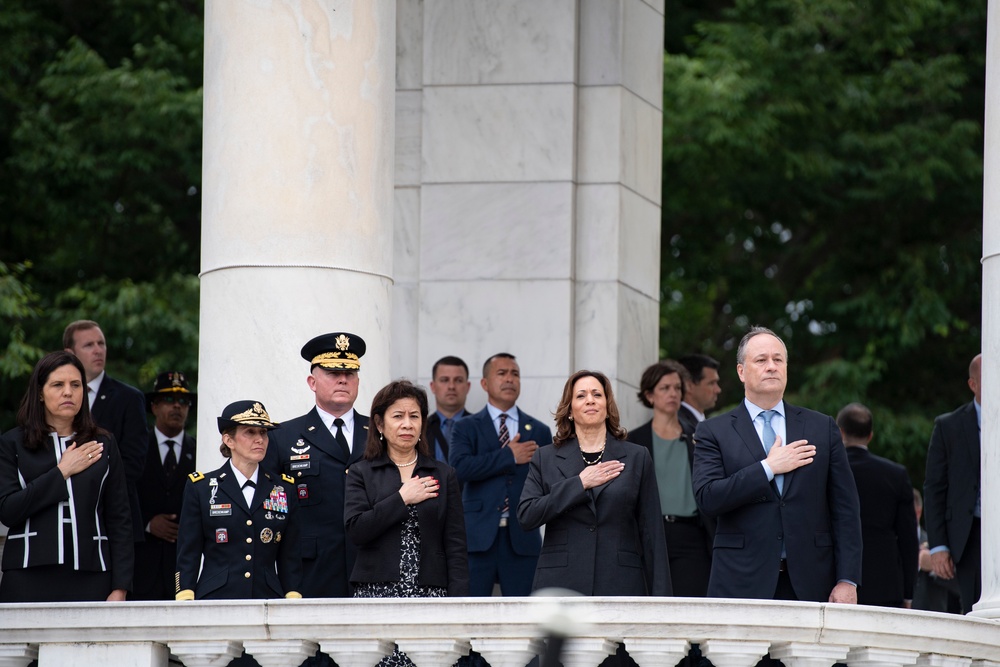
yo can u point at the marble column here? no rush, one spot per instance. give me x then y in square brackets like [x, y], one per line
[989, 604]
[297, 213]
[528, 189]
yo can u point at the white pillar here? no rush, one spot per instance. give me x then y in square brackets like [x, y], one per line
[528, 168]
[297, 204]
[989, 604]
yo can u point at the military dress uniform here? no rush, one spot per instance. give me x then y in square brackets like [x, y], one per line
[250, 551]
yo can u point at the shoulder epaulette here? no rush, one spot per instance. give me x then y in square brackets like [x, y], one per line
[196, 476]
[288, 478]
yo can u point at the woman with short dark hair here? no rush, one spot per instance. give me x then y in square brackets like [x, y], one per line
[63, 495]
[238, 536]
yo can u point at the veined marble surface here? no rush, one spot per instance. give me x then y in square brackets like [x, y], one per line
[485, 41]
[410, 44]
[621, 42]
[408, 122]
[502, 231]
[475, 134]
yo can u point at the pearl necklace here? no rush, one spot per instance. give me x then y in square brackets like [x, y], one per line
[600, 454]
[406, 465]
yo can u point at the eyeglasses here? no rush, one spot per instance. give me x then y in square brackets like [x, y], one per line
[179, 400]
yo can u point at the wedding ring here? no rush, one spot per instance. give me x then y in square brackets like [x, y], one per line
[90, 456]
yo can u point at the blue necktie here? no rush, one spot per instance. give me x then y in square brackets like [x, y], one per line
[768, 437]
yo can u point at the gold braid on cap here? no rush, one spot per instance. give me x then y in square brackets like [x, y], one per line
[173, 390]
[255, 414]
[347, 359]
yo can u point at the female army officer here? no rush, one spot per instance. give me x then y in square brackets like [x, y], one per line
[241, 518]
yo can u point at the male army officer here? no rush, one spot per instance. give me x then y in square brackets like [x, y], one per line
[316, 450]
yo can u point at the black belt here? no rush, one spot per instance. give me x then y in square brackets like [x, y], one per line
[672, 518]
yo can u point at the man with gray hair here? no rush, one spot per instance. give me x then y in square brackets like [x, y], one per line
[788, 521]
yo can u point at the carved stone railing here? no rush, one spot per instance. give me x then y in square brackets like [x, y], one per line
[508, 632]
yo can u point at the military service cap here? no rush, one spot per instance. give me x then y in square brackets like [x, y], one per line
[336, 351]
[245, 413]
[171, 383]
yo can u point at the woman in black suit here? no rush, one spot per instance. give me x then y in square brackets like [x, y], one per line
[240, 519]
[688, 533]
[403, 509]
[63, 495]
[597, 496]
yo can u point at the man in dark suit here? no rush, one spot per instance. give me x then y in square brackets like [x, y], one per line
[316, 450]
[788, 520]
[116, 407]
[888, 519]
[490, 451]
[952, 493]
[169, 460]
[450, 386]
[701, 393]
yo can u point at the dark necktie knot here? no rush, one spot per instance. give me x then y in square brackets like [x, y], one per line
[338, 422]
[249, 483]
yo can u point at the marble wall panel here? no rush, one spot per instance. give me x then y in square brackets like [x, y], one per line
[601, 39]
[499, 231]
[406, 235]
[633, 413]
[475, 134]
[639, 259]
[597, 331]
[409, 44]
[598, 225]
[403, 340]
[639, 333]
[531, 319]
[600, 147]
[642, 52]
[658, 5]
[408, 124]
[485, 41]
[642, 137]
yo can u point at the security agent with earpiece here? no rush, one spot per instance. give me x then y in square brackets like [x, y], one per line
[315, 450]
[241, 518]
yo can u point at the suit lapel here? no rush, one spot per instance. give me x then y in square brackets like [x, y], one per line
[229, 487]
[318, 435]
[748, 434]
[613, 451]
[360, 437]
[794, 430]
[487, 433]
[570, 464]
[104, 391]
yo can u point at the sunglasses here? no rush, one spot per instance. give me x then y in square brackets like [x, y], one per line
[179, 400]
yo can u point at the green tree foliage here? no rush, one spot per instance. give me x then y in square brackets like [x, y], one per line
[100, 160]
[823, 177]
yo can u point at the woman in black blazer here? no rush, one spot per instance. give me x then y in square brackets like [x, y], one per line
[403, 508]
[688, 533]
[597, 497]
[63, 495]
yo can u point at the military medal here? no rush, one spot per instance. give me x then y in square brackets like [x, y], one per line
[278, 501]
[277, 538]
[214, 483]
[266, 535]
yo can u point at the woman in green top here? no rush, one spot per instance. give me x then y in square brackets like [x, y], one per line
[688, 533]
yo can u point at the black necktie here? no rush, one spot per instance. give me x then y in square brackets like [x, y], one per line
[170, 461]
[341, 438]
[249, 483]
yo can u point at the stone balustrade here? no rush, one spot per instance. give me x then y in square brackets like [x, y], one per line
[508, 632]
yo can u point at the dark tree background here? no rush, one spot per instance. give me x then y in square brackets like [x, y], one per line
[100, 174]
[822, 176]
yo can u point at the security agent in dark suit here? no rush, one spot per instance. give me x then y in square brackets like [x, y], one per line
[490, 452]
[889, 561]
[450, 386]
[116, 407]
[788, 520]
[315, 450]
[169, 461]
[952, 493]
[240, 518]
[701, 389]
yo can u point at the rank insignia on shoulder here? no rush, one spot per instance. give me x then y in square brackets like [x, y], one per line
[287, 478]
[196, 476]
